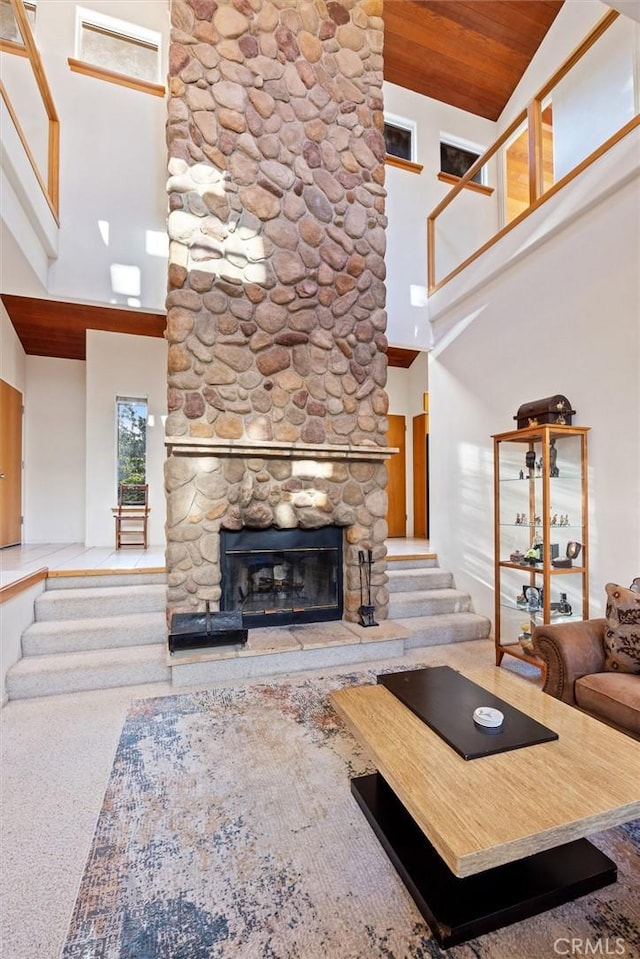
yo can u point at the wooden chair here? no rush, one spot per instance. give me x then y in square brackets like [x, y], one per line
[132, 515]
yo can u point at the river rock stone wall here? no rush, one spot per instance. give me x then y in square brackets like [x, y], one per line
[276, 295]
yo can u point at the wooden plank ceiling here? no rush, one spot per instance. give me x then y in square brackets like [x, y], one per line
[53, 328]
[468, 53]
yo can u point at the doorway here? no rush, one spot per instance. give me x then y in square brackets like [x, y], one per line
[10, 465]
[421, 475]
[397, 471]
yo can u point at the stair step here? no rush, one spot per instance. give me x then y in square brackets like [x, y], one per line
[96, 602]
[67, 636]
[428, 561]
[411, 580]
[445, 628]
[95, 669]
[430, 602]
[109, 578]
[241, 665]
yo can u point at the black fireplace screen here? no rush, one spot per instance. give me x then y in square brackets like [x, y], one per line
[277, 576]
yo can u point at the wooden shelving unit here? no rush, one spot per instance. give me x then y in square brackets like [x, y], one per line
[540, 497]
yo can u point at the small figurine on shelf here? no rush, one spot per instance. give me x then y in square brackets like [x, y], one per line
[554, 519]
[537, 520]
[539, 467]
[533, 596]
[563, 606]
[521, 474]
[553, 459]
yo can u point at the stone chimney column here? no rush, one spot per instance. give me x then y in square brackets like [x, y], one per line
[276, 297]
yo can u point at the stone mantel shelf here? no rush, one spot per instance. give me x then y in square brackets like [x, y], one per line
[268, 448]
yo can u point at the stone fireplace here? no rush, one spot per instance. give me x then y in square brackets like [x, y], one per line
[275, 306]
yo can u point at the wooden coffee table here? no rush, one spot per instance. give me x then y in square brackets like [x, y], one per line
[485, 842]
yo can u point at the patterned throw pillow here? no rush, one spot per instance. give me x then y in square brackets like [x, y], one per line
[622, 632]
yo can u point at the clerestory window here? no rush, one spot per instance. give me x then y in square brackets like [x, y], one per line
[456, 159]
[400, 137]
[116, 45]
[9, 29]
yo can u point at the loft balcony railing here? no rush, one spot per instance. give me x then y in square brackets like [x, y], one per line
[27, 96]
[587, 106]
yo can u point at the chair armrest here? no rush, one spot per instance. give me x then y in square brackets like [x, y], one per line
[570, 650]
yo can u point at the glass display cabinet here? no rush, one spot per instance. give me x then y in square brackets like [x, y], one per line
[541, 533]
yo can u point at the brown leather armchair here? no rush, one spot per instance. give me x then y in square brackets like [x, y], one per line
[575, 660]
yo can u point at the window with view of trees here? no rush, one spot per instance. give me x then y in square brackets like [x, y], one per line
[131, 422]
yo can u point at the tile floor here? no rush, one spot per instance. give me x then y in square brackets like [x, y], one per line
[18, 561]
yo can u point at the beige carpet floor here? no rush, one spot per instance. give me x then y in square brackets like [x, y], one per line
[57, 759]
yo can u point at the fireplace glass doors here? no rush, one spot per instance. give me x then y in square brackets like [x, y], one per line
[280, 576]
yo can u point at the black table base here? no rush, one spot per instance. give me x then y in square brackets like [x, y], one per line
[460, 909]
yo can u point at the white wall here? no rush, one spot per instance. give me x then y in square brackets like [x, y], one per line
[12, 356]
[596, 98]
[70, 473]
[565, 319]
[568, 30]
[112, 163]
[54, 444]
[410, 199]
[559, 314]
[122, 365]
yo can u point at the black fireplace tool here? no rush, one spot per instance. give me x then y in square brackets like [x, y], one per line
[366, 609]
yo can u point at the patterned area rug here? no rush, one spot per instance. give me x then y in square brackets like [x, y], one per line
[228, 830]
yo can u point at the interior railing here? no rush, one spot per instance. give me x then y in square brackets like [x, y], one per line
[587, 106]
[26, 93]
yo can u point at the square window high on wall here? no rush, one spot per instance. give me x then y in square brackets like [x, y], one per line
[116, 45]
[131, 439]
[457, 156]
[400, 137]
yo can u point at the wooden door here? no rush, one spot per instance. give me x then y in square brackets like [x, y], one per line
[397, 486]
[421, 475]
[10, 465]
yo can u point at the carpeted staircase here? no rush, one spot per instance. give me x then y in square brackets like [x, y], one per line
[94, 632]
[424, 600]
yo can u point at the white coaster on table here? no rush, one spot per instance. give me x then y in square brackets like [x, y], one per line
[487, 716]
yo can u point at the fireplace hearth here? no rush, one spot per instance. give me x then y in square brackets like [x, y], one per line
[276, 577]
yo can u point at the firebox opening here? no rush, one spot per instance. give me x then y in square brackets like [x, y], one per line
[280, 576]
